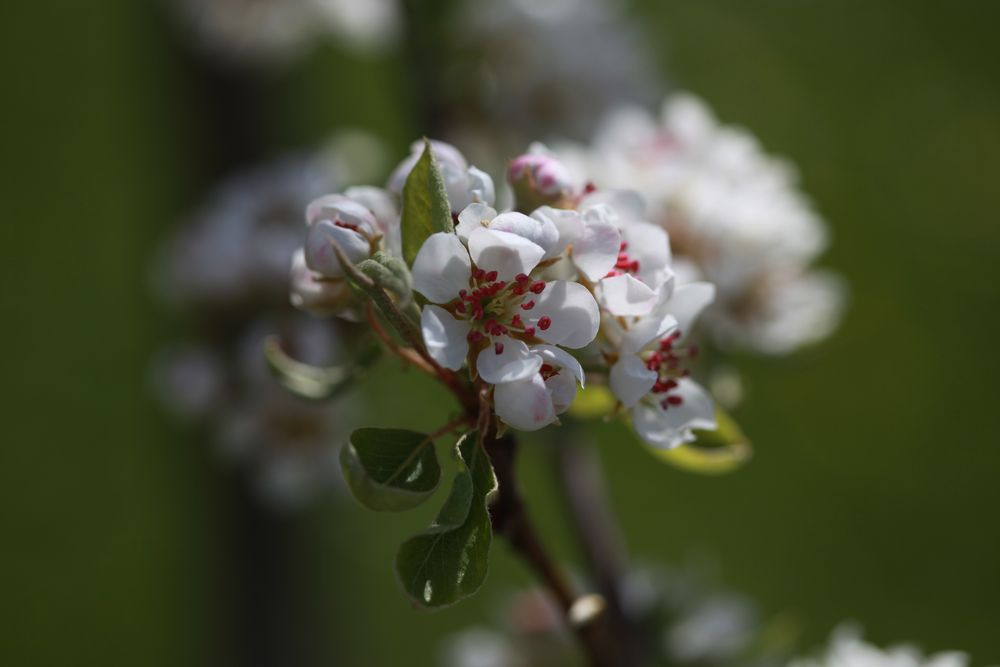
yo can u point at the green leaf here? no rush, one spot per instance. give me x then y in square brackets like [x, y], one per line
[714, 452]
[313, 382]
[448, 561]
[390, 470]
[425, 204]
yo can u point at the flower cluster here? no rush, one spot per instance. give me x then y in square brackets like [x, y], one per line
[735, 218]
[508, 295]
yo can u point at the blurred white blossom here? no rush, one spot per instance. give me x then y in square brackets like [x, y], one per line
[848, 649]
[541, 69]
[278, 30]
[735, 216]
[225, 274]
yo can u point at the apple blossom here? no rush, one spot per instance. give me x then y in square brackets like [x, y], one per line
[487, 309]
[650, 375]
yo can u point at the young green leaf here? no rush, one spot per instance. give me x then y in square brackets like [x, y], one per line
[448, 561]
[390, 470]
[714, 452]
[425, 204]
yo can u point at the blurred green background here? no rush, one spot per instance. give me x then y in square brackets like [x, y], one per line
[874, 489]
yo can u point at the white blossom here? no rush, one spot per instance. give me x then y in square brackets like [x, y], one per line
[486, 310]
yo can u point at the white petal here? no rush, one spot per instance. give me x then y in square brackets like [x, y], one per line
[646, 330]
[648, 244]
[473, 217]
[507, 254]
[567, 222]
[687, 303]
[481, 186]
[631, 380]
[540, 231]
[596, 253]
[445, 337]
[573, 314]
[320, 256]
[627, 204]
[441, 267]
[669, 428]
[562, 360]
[624, 295]
[562, 390]
[515, 361]
[524, 405]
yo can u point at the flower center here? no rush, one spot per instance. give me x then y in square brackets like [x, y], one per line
[669, 362]
[496, 308]
[624, 263]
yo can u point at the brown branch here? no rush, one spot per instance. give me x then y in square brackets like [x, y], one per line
[511, 521]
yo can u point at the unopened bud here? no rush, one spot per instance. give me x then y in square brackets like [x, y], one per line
[319, 295]
[539, 179]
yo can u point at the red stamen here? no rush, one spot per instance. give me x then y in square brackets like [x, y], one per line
[544, 322]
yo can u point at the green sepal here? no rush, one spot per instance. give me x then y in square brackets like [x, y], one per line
[391, 274]
[426, 209]
[390, 470]
[448, 562]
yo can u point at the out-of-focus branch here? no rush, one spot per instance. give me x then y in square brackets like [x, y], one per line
[596, 528]
[511, 521]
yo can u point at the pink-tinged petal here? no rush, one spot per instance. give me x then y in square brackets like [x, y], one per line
[309, 292]
[687, 302]
[441, 267]
[631, 380]
[383, 206]
[514, 361]
[565, 314]
[645, 331]
[320, 255]
[540, 231]
[341, 208]
[627, 297]
[666, 429]
[507, 254]
[525, 405]
[445, 337]
[473, 217]
[650, 246]
[596, 252]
